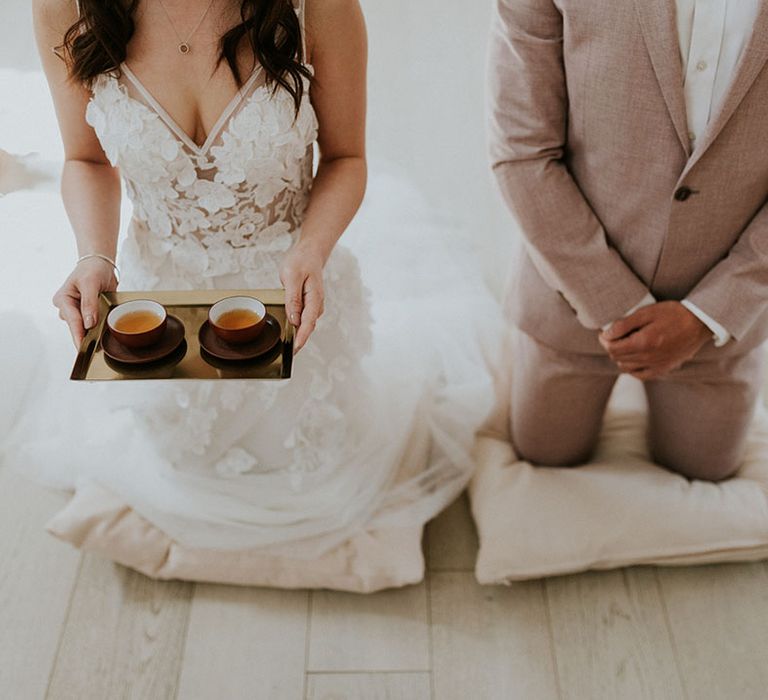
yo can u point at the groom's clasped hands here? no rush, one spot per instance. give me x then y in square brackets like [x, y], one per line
[655, 340]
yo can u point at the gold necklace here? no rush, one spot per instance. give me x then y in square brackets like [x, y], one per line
[184, 46]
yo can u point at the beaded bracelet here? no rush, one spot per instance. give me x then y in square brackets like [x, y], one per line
[102, 257]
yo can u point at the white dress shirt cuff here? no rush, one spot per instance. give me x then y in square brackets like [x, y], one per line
[720, 334]
[647, 300]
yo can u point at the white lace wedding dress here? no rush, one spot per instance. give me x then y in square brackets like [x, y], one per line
[375, 427]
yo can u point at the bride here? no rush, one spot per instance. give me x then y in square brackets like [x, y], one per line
[210, 112]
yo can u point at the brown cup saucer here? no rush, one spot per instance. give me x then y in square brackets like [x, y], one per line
[220, 349]
[235, 367]
[157, 369]
[169, 341]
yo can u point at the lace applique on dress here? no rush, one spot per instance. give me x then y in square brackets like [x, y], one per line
[232, 206]
[229, 210]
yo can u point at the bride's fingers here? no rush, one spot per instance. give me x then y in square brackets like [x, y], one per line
[69, 311]
[89, 303]
[294, 302]
[313, 308]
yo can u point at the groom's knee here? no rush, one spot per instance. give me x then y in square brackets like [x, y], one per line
[710, 465]
[552, 451]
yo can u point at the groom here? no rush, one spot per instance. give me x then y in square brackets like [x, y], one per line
[630, 140]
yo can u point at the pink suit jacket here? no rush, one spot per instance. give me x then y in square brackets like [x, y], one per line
[589, 144]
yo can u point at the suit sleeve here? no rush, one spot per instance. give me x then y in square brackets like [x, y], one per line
[527, 117]
[735, 291]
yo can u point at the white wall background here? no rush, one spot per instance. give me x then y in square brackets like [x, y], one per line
[427, 79]
[17, 48]
[426, 85]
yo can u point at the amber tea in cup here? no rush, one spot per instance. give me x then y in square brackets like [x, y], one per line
[237, 319]
[137, 323]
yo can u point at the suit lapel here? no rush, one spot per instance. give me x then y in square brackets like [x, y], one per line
[659, 25]
[751, 63]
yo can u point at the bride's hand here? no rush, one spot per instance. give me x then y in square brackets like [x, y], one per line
[302, 276]
[78, 298]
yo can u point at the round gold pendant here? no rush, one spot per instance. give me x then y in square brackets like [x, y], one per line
[184, 47]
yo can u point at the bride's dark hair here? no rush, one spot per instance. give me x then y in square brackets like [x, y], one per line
[97, 42]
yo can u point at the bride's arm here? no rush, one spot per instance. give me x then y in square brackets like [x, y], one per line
[90, 186]
[337, 48]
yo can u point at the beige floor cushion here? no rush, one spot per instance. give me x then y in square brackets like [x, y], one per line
[96, 520]
[620, 509]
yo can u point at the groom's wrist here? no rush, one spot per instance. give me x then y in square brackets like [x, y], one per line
[719, 334]
[647, 300]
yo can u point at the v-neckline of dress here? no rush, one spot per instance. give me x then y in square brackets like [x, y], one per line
[173, 125]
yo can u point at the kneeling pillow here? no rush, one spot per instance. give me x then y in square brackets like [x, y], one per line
[620, 509]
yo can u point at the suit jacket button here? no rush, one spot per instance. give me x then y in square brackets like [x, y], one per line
[683, 193]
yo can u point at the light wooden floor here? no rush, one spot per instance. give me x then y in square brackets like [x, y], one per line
[75, 626]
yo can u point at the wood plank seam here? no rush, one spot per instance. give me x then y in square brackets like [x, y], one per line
[357, 672]
[670, 632]
[187, 619]
[430, 636]
[64, 624]
[307, 639]
[551, 636]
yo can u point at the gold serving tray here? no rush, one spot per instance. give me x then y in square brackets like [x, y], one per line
[191, 307]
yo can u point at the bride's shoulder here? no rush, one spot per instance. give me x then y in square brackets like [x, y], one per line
[52, 19]
[330, 8]
[55, 15]
[329, 19]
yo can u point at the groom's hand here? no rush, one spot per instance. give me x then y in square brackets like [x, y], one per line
[655, 340]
